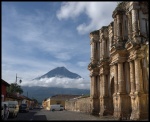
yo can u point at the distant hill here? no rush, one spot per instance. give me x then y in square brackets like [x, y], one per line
[40, 93]
[60, 72]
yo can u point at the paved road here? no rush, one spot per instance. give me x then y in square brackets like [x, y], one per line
[41, 114]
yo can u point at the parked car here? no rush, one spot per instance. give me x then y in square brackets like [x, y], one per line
[13, 108]
[56, 107]
[30, 108]
[2, 112]
[5, 111]
[23, 108]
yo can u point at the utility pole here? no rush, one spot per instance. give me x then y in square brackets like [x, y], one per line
[18, 77]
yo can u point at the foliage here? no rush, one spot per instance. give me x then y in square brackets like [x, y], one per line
[14, 88]
[35, 100]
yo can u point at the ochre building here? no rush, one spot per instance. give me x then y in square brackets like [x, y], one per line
[119, 67]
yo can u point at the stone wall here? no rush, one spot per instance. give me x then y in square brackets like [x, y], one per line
[79, 104]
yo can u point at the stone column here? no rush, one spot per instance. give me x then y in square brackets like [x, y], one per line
[139, 99]
[115, 28]
[118, 26]
[132, 76]
[92, 51]
[134, 21]
[91, 87]
[138, 75]
[103, 48]
[101, 91]
[129, 25]
[100, 50]
[121, 83]
[94, 96]
[104, 79]
[116, 78]
[105, 83]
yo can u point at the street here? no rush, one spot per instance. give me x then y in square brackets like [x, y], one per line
[41, 114]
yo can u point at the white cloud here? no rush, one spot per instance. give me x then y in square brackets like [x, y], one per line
[83, 63]
[63, 56]
[100, 14]
[70, 9]
[59, 82]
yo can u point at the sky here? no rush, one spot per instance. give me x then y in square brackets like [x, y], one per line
[40, 36]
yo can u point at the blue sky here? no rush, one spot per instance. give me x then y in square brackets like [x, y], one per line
[40, 36]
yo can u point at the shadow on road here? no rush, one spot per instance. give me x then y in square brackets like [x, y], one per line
[39, 117]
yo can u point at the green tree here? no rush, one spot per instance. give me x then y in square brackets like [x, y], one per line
[14, 88]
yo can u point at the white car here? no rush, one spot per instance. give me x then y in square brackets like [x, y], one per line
[2, 112]
[3, 116]
[56, 107]
[13, 108]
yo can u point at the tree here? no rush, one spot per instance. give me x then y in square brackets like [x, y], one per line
[14, 88]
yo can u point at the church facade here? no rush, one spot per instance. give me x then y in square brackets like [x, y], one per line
[119, 67]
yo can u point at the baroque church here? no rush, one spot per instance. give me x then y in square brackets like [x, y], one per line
[119, 67]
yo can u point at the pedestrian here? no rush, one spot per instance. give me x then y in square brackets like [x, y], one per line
[6, 112]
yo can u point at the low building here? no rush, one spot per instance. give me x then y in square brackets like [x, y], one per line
[4, 85]
[57, 99]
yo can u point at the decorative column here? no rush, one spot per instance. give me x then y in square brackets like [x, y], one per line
[94, 95]
[104, 99]
[139, 99]
[118, 26]
[138, 75]
[121, 83]
[134, 21]
[103, 48]
[115, 97]
[100, 49]
[92, 48]
[135, 25]
[129, 26]
[115, 28]
[105, 85]
[116, 78]
[132, 76]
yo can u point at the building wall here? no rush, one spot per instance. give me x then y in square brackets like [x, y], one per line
[49, 102]
[3, 90]
[81, 105]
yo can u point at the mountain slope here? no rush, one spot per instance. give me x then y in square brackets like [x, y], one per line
[40, 93]
[59, 72]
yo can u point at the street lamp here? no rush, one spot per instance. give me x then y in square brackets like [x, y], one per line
[19, 78]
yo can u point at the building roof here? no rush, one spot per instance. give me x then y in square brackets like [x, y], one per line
[19, 97]
[4, 82]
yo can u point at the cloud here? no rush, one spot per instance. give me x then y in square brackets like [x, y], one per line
[59, 82]
[83, 63]
[99, 13]
[63, 56]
